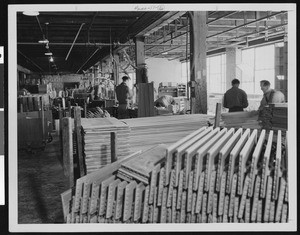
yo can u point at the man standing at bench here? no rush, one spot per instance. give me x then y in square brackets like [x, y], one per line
[235, 99]
[123, 96]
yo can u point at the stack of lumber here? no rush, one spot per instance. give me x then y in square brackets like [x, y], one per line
[240, 119]
[274, 116]
[97, 141]
[209, 176]
[30, 103]
[279, 116]
[147, 132]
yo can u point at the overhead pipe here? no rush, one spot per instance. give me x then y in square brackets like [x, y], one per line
[243, 25]
[74, 41]
[221, 17]
[88, 59]
[27, 58]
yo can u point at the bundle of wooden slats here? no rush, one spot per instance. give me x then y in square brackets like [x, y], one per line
[97, 141]
[274, 116]
[147, 132]
[209, 176]
[240, 119]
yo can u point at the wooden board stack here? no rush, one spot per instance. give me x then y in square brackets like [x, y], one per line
[240, 119]
[96, 141]
[210, 176]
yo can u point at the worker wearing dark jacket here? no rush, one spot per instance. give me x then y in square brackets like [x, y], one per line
[235, 99]
[123, 97]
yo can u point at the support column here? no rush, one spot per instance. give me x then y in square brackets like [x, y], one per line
[116, 69]
[198, 33]
[139, 58]
[233, 59]
[281, 60]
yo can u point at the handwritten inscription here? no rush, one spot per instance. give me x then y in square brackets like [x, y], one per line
[160, 7]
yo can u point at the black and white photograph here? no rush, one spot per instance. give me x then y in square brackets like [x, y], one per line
[152, 117]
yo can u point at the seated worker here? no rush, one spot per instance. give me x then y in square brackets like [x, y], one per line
[235, 99]
[270, 95]
[123, 96]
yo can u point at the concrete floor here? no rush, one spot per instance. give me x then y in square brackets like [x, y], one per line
[40, 183]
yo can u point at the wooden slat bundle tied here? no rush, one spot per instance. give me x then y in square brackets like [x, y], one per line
[224, 193]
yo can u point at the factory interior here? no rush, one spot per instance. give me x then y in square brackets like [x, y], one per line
[176, 154]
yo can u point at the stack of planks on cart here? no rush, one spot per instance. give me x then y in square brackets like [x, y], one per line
[97, 141]
[240, 119]
[274, 116]
[212, 175]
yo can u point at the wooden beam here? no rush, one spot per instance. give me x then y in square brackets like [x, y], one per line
[68, 150]
[77, 126]
[139, 58]
[198, 34]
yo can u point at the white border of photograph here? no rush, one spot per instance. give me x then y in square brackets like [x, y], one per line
[13, 149]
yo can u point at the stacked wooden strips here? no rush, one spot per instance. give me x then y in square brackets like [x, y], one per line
[147, 132]
[96, 141]
[210, 176]
[240, 119]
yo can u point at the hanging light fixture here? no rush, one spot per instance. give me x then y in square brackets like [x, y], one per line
[51, 59]
[31, 13]
[49, 53]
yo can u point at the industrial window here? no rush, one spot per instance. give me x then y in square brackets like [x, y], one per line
[257, 64]
[216, 73]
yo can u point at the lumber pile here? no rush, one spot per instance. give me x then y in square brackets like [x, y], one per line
[147, 132]
[240, 119]
[274, 116]
[97, 141]
[96, 112]
[209, 176]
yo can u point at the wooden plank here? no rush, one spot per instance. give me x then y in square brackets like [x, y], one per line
[232, 195]
[247, 210]
[182, 154]
[140, 190]
[190, 193]
[161, 183]
[183, 207]
[244, 157]
[222, 194]
[68, 150]
[172, 149]
[153, 182]
[200, 193]
[212, 154]
[179, 192]
[278, 165]
[113, 149]
[145, 205]
[94, 199]
[236, 209]
[111, 197]
[265, 168]
[77, 127]
[163, 214]
[211, 193]
[259, 211]
[128, 199]
[255, 199]
[268, 199]
[201, 154]
[174, 199]
[284, 217]
[243, 198]
[66, 198]
[85, 198]
[233, 155]
[255, 157]
[280, 200]
[272, 212]
[215, 207]
[224, 156]
[226, 206]
[217, 115]
[170, 189]
[203, 214]
[155, 218]
[103, 194]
